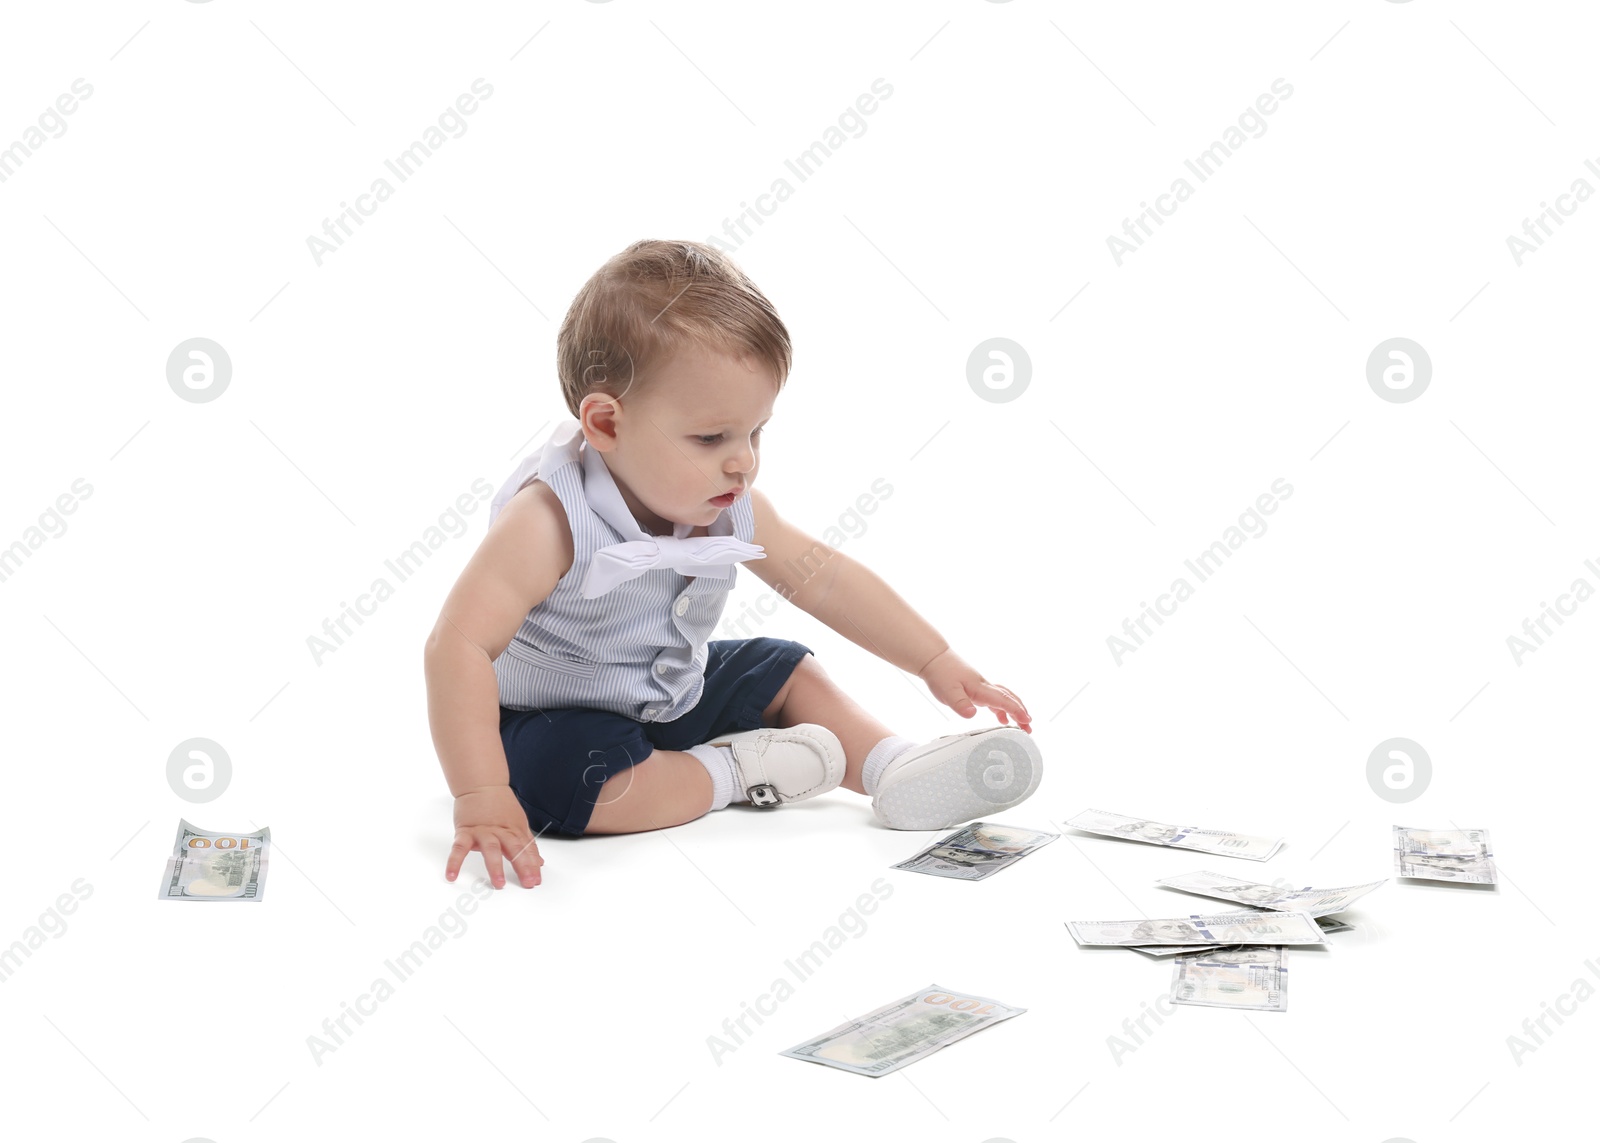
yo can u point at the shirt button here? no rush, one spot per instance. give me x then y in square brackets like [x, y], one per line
[683, 605]
[661, 668]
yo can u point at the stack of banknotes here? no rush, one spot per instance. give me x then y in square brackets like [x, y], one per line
[1239, 959]
[1236, 958]
[1232, 959]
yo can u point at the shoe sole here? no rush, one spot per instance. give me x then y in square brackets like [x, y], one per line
[962, 780]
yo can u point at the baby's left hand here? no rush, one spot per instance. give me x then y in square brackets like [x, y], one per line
[958, 685]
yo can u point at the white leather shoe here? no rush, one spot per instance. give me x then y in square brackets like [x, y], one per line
[957, 778]
[785, 764]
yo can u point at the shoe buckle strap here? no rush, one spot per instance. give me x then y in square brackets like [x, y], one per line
[762, 794]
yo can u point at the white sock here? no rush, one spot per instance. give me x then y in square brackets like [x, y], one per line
[878, 759]
[718, 761]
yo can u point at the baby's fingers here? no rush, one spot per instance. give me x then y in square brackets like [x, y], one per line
[458, 854]
[525, 860]
[1002, 702]
[489, 845]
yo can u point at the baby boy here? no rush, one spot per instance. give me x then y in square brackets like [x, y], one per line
[572, 682]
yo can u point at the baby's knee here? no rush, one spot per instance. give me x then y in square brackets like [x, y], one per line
[807, 667]
[666, 788]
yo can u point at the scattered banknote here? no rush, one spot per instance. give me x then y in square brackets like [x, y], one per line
[1326, 924]
[976, 850]
[1161, 951]
[1461, 855]
[1317, 902]
[901, 1033]
[1182, 837]
[1255, 978]
[207, 865]
[1237, 928]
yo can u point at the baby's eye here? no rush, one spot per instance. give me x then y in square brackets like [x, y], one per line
[711, 440]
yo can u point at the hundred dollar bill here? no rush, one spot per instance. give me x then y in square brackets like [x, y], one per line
[888, 1038]
[1462, 855]
[1317, 902]
[1238, 928]
[1182, 837]
[1161, 951]
[208, 865]
[976, 850]
[1255, 978]
[1326, 924]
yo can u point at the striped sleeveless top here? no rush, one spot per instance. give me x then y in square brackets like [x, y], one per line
[638, 650]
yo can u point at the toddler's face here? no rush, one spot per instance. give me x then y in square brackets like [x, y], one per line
[689, 437]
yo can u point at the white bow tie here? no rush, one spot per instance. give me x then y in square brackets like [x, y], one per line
[617, 563]
[690, 555]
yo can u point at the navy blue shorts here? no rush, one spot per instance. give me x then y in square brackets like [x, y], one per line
[561, 756]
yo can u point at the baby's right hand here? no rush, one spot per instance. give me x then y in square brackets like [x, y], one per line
[492, 821]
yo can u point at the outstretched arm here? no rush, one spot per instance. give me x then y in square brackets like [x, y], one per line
[857, 603]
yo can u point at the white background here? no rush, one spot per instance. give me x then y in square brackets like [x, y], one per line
[369, 391]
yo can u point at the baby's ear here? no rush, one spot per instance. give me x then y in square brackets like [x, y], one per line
[598, 414]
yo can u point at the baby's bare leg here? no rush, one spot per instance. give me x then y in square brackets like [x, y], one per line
[668, 788]
[811, 696]
[671, 787]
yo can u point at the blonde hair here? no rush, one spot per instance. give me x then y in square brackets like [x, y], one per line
[649, 301]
